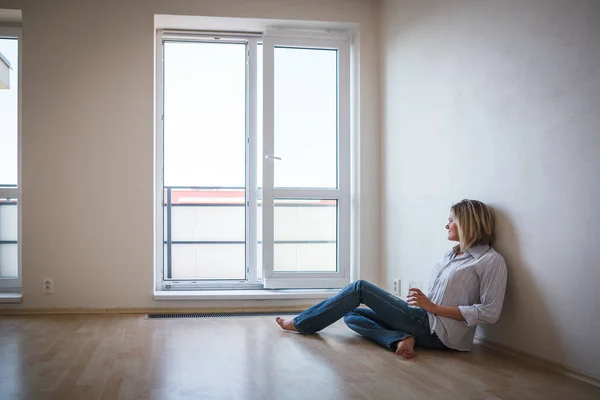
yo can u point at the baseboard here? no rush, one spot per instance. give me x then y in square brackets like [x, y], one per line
[540, 362]
[179, 310]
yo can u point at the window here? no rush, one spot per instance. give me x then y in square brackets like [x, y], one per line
[10, 188]
[253, 161]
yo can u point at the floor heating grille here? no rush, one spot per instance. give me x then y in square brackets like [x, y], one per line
[219, 315]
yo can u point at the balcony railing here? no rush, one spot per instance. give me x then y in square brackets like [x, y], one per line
[296, 229]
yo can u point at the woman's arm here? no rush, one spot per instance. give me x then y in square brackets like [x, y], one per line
[450, 312]
[417, 298]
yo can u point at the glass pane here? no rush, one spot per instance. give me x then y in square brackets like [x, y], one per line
[205, 160]
[9, 264]
[208, 261]
[9, 116]
[208, 223]
[305, 257]
[259, 117]
[9, 217]
[259, 239]
[259, 158]
[205, 114]
[305, 117]
[305, 234]
[208, 220]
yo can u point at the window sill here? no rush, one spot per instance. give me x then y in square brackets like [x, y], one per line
[245, 294]
[11, 297]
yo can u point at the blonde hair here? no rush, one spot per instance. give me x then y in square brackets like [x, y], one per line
[476, 223]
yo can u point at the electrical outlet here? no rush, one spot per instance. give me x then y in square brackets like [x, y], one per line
[48, 286]
[397, 286]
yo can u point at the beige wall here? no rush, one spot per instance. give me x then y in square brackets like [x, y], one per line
[88, 136]
[500, 101]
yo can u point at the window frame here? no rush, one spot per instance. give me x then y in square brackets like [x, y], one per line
[11, 284]
[315, 280]
[162, 36]
[253, 193]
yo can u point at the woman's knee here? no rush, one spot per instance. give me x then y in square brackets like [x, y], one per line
[351, 317]
[361, 283]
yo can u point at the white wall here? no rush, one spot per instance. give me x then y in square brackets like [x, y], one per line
[500, 101]
[88, 134]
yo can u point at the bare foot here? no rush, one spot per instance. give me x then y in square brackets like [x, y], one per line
[406, 348]
[286, 324]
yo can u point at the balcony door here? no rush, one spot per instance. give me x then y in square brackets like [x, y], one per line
[252, 161]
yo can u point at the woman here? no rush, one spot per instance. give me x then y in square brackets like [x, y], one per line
[466, 289]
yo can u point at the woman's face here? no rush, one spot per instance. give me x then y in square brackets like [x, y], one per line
[452, 228]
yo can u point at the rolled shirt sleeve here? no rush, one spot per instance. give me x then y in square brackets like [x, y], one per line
[492, 290]
[470, 314]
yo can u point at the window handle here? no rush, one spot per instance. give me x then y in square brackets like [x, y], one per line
[270, 157]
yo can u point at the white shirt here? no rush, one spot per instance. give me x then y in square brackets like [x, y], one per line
[475, 282]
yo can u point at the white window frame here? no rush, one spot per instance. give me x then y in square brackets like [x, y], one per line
[251, 41]
[280, 280]
[15, 284]
[341, 194]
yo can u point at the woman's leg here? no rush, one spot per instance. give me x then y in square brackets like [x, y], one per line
[364, 321]
[395, 312]
[368, 324]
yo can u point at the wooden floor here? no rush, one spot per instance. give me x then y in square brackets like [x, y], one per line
[130, 357]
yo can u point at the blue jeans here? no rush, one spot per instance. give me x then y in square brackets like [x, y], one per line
[387, 320]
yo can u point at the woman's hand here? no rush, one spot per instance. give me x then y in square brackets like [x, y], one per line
[418, 299]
